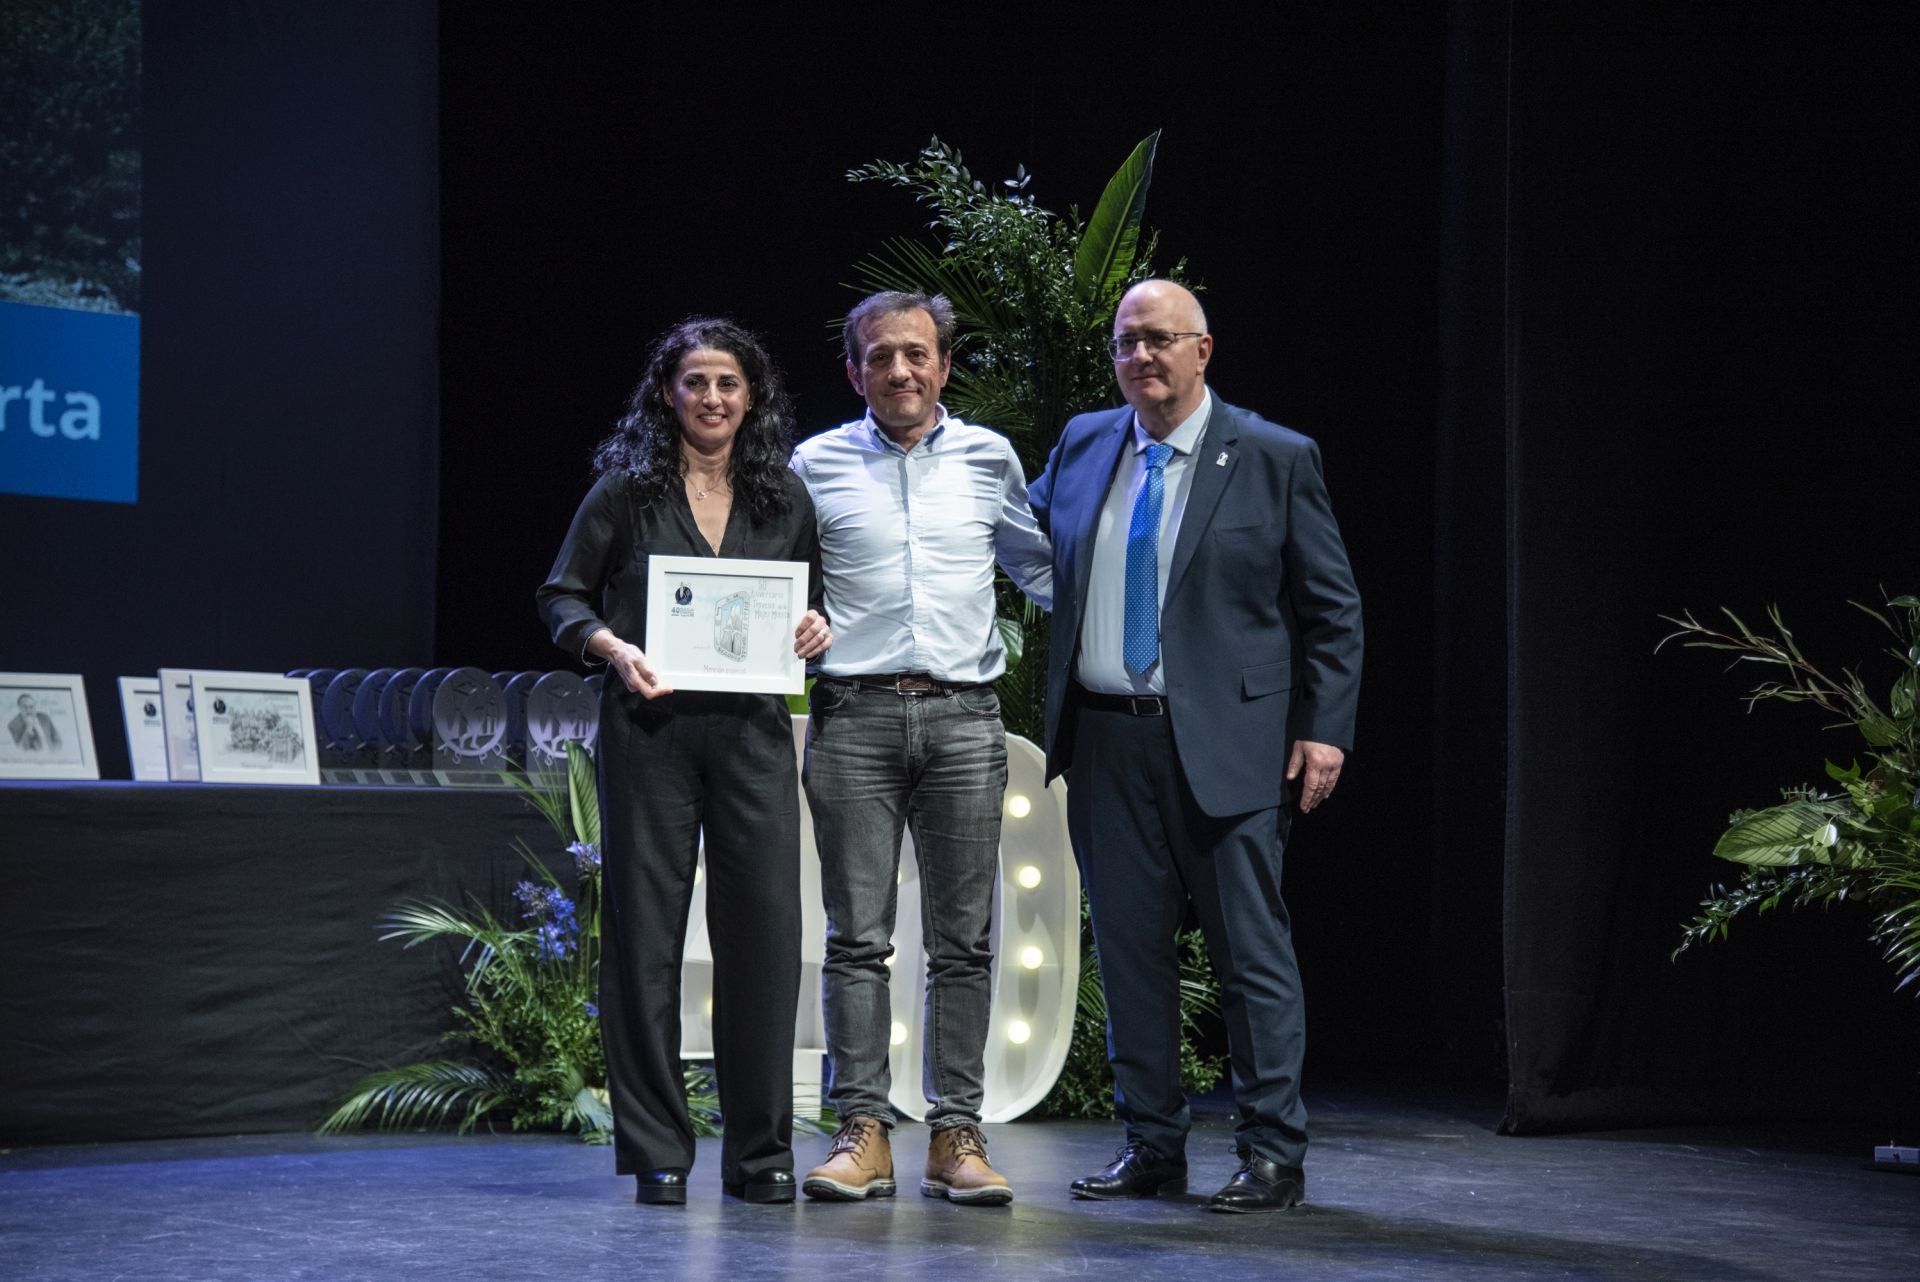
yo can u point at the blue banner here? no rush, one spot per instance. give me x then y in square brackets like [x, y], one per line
[69, 403]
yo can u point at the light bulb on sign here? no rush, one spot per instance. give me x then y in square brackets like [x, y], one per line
[1018, 806]
[1031, 957]
[1028, 876]
[899, 1034]
[1018, 1032]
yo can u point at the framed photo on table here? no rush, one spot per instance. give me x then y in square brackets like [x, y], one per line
[255, 727]
[719, 624]
[44, 729]
[176, 717]
[146, 728]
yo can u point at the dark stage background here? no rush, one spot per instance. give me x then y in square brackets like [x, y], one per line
[1598, 312]
[288, 427]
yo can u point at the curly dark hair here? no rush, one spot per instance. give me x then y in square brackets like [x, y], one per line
[645, 443]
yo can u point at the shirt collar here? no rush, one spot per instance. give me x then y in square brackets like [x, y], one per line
[1185, 438]
[882, 441]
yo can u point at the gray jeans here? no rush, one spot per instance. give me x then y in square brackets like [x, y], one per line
[878, 762]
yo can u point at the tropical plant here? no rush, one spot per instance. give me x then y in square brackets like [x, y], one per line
[1860, 843]
[1033, 294]
[1033, 291]
[532, 991]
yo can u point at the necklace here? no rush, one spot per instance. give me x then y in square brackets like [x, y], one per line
[700, 493]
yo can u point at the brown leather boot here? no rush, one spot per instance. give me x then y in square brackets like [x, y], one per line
[859, 1165]
[957, 1169]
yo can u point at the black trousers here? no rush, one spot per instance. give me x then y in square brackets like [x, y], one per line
[723, 763]
[1146, 849]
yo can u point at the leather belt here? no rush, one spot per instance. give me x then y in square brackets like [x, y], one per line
[908, 683]
[1136, 705]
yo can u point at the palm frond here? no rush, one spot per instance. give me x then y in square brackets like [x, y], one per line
[551, 802]
[583, 794]
[430, 1092]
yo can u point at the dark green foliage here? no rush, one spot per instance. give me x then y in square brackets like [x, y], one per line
[531, 1016]
[1033, 291]
[70, 153]
[1860, 844]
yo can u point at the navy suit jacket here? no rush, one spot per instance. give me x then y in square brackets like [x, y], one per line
[1260, 629]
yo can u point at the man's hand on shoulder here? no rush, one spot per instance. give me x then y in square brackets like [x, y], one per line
[1321, 763]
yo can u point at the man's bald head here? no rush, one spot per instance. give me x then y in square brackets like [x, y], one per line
[1174, 292]
[1162, 348]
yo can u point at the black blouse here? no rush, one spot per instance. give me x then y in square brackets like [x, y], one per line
[599, 580]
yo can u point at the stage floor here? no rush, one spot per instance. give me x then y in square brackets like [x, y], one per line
[1397, 1190]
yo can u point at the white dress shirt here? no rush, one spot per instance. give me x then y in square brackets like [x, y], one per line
[908, 541]
[1100, 664]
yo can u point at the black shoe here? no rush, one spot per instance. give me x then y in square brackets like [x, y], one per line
[1260, 1185]
[765, 1186]
[664, 1187]
[1137, 1171]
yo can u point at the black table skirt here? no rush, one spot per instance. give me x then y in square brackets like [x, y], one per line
[199, 959]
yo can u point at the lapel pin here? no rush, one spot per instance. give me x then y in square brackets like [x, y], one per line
[1222, 460]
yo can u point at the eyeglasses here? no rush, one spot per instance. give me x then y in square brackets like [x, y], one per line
[1157, 341]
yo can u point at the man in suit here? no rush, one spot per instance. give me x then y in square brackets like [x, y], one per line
[32, 729]
[1204, 669]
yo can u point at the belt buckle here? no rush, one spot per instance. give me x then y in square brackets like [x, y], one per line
[914, 685]
[1147, 705]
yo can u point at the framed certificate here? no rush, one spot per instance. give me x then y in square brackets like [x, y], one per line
[176, 714]
[719, 624]
[146, 728]
[254, 727]
[44, 730]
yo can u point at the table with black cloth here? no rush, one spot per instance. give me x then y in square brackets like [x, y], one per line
[198, 959]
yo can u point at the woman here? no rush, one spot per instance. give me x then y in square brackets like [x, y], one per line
[697, 467]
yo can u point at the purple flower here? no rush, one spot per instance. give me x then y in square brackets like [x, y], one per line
[586, 857]
[593, 1011]
[556, 920]
[553, 942]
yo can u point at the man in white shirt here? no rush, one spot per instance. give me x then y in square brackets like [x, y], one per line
[914, 508]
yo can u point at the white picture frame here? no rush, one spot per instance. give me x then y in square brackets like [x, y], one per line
[255, 728]
[176, 715]
[45, 732]
[717, 623]
[141, 712]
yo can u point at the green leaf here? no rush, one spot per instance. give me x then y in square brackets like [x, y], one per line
[1904, 697]
[797, 703]
[424, 1093]
[1014, 638]
[583, 793]
[1798, 832]
[910, 266]
[1850, 775]
[1879, 731]
[550, 802]
[1105, 257]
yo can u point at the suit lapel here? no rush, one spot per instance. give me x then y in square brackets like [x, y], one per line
[1213, 463]
[1103, 456]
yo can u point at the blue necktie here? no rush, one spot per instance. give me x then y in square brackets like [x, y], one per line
[1140, 642]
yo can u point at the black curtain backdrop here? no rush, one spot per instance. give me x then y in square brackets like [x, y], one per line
[288, 483]
[606, 173]
[1599, 312]
[1677, 318]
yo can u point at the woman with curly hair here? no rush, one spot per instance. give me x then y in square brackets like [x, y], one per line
[697, 467]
